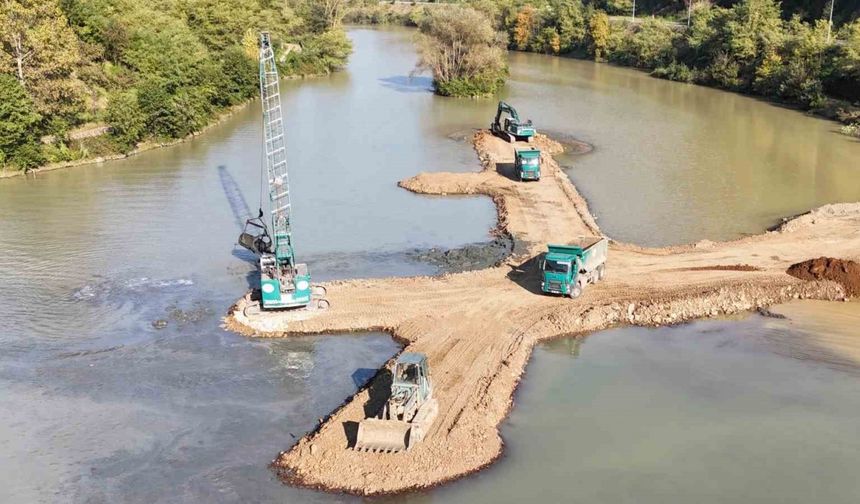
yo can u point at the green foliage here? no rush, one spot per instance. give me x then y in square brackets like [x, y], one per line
[61, 152]
[153, 69]
[618, 7]
[18, 119]
[675, 71]
[126, 120]
[462, 50]
[649, 44]
[41, 51]
[318, 54]
[239, 74]
[478, 85]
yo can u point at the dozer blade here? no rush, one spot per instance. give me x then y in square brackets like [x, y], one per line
[382, 436]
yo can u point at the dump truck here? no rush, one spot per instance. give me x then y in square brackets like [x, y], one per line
[511, 128]
[567, 269]
[408, 413]
[527, 163]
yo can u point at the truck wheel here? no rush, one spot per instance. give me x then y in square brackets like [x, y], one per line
[576, 291]
[601, 272]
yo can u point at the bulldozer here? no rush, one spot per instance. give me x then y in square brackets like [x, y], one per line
[511, 128]
[408, 413]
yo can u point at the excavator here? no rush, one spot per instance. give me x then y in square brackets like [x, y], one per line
[408, 413]
[510, 128]
[283, 282]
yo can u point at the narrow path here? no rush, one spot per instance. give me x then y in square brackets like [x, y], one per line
[478, 328]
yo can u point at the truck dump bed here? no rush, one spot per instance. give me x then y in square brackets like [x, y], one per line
[591, 250]
[577, 247]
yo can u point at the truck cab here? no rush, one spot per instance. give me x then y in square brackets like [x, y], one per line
[567, 269]
[527, 164]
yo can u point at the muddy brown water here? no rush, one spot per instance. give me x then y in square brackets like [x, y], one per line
[100, 406]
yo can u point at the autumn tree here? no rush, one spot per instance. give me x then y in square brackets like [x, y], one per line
[598, 34]
[42, 52]
[524, 27]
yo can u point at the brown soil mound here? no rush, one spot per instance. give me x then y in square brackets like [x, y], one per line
[841, 271]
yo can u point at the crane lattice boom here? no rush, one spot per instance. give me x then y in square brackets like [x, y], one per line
[275, 151]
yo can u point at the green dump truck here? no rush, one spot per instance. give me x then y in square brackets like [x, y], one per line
[567, 269]
[527, 163]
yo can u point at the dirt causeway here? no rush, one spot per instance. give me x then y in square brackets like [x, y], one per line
[478, 328]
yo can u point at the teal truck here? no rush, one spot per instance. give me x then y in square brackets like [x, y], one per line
[527, 163]
[567, 269]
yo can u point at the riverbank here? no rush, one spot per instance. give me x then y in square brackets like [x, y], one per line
[664, 48]
[146, 145]
[478, 328]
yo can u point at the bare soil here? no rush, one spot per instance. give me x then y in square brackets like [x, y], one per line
[478, 328]
[845, 273]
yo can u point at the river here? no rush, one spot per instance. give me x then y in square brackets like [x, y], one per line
[100, 406]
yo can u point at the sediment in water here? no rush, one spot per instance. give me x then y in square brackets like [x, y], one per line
[478, 327]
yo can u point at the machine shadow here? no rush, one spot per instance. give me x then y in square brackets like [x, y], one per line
[527, 275]
[378, 391]
[241, 213]
[507, 170]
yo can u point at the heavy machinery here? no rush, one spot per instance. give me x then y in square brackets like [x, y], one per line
[567, 269]
[527, 163]
[408, 413]
[283, 282]
[511, 128]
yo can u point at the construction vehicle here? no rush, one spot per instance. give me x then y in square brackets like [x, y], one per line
[283, 282]
[567, 269]
[527, 163]
[408, 413]
[511, 128]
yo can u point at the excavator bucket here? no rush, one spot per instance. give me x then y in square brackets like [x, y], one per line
[382, 436]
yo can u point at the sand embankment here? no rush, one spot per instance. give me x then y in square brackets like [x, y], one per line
[478, 328]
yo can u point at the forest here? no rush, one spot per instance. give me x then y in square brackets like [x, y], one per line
[150, 71]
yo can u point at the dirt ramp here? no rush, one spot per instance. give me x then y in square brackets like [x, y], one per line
[841, 271]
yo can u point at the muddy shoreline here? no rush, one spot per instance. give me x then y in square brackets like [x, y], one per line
[478, 328]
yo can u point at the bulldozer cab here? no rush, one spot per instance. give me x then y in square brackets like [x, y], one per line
[411, 371]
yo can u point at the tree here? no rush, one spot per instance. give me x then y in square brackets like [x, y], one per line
[598, 34]
[323, 15]
[40, 49]
[18, 120]
[647, 45]
[525, 27]
[126, 120]
[463, 51]
[570, 24]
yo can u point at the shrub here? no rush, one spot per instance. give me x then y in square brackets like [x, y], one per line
[676, 72]
[19, 144]
[126, 120]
